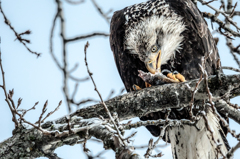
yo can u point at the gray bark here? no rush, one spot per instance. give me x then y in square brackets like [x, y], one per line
[152, 99]
[34, 143]
[31, 143]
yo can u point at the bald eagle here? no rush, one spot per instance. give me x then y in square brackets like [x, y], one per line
[160, 35]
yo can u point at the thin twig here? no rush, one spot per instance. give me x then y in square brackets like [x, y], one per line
[223, 4]
[231, 15]
[25, 111]
[229, 41]
[51, 41]
[193, 97]
[145, 146]
[74, 68]
[75, 90]
[64, 54]
[87, 36]
[78, 79]
[110, 94]
[152, 146]
[208, 2]
[44, 109]
[223, 13]
[230, 153]
[50, 113]
[3, 86]
[232, 48]
[220, 23]
[231, 68]
[83, 101]
[68, 118]
[19, 102]
[75, 2]
[19, 38]
[104, 15]
[103, 103]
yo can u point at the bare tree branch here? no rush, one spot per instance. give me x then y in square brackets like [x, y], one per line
[19, 38]
[166, 96]
[222, 12]
[104, 15]
[230, 153]
[45, 144]
[220, 23]
[87, 36]
[3, 86]
[75, 2]
[231, 68]
[102, 102]
[51, 41]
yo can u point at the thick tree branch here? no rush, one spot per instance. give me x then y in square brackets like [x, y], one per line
[33, 143]
[43, 143]
[231, 112]
[139, 103]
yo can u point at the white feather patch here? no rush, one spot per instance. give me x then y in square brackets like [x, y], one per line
[145, 32]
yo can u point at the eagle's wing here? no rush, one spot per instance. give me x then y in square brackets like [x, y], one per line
[127, 64]
[198, 41]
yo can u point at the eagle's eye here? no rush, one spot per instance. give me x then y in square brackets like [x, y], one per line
[150, 61]
[154, 49]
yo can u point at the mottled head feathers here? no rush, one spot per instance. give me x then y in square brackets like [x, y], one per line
[153, 23]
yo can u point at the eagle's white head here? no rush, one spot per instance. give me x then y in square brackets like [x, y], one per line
[156, 38]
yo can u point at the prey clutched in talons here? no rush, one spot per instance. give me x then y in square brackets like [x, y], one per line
[159, 78]
[155, 79]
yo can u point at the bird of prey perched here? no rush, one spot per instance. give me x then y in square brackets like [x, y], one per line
[161, 36]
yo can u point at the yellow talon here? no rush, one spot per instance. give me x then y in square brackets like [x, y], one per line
[180, 77]
[172, 76]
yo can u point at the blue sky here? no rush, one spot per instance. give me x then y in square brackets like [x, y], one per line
[39, 79]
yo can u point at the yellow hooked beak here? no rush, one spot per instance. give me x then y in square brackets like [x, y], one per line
[153, 63]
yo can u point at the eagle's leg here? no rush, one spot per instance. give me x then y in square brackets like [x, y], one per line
[147, 85]
[136, 87]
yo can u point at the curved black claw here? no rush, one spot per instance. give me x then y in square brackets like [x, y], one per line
[166, 72]
[175, 72]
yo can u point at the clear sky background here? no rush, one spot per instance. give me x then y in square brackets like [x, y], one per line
[39, 79]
